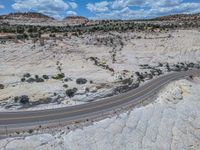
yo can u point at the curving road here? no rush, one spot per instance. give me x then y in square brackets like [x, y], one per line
[24, 120]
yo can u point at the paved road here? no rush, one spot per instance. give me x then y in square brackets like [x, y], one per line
[14, 121]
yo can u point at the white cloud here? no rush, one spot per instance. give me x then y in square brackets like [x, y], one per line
[117, 4]
[73, 5]
[116, 9]
[98, 7]
[2, 6]
[125, 13]
[168, 3]
[55, 8]
[71, 13]
[177, 9]
[122, 9]
[40, 5]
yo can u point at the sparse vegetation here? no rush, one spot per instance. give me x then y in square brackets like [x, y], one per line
[71, 92]
[98, 63]
[67, 79]
[24, 99]
[30, 131]
[81, 81]
[23, 79]
[46, 77]
[65, 86]
[27, 78]
[59, 76]
[30, 80]
[39, 80]
[1, 86]
[27, 75]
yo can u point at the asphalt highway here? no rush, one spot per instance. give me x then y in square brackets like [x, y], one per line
[20, 120]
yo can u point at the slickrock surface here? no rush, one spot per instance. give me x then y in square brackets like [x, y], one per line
[106, 61]
[171, 122]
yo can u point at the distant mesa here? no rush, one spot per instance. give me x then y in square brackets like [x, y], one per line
[75, 20]
[29, 15]
[34, 18]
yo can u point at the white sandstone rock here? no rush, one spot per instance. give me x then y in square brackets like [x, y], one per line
[164, 124]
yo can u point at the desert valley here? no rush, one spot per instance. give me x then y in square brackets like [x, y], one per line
[49, 64]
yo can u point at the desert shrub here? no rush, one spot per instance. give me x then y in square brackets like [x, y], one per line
[71, 92]
[191, 65]
[197, 66]
[168, 67]
[46, 77]
[27, 75]
[36, 76]
[30, 131]
[66, 79]
[1, 86]
[22, 36]
[87, 90]
[39, 80]
[23, 79]
[128, 81]
[52, 35]
[24, 99]
[59, 76]
[75, 90]
[30, 80]
[81, 81]
[140, 76]
[121, 89]
[42, 42]
[65, 86]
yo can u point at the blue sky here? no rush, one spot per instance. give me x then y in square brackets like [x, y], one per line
[102, 9]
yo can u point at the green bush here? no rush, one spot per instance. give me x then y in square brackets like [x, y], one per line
[46, 77]
[1, 86]
[59, 76]
[65, 86]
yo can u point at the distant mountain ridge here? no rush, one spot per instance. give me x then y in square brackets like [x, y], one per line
[39, 19]
[179, 17]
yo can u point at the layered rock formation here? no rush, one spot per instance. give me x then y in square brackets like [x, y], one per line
[75, 20]
[33, 18]
[26, 18]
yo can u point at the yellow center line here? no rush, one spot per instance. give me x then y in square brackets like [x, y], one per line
[83, 109]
